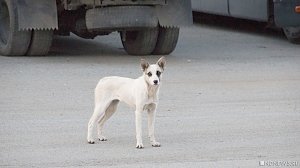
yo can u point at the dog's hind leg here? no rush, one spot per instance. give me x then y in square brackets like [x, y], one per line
[111, 109]
[99, 112]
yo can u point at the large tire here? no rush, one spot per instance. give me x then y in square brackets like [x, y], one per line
[292, 34]
[12, 41]
[41, 41]
[167, 40]
[140, 42]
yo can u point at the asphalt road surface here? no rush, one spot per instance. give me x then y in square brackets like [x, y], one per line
[230, 98]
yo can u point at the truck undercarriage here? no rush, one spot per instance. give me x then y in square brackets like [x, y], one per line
[145, 26]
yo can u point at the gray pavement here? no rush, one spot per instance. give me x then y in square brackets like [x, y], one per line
[230, 98]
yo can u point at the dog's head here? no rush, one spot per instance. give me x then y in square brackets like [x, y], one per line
[153, 72]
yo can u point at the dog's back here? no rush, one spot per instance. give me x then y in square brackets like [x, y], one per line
[113, 87]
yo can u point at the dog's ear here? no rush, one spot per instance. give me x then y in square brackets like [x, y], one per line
[162, 62]
[144, 64]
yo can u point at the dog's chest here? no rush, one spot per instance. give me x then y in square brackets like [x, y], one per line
[150, 100]
[151, 96]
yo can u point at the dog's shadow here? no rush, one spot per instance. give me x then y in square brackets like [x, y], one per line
[72, 45]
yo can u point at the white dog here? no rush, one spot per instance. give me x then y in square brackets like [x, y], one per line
[140, 93]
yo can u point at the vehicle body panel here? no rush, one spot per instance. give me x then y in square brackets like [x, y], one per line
[284, 13]
[249, 9]
[281, 11]
[219, 7]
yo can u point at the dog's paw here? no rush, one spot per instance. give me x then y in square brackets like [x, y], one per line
[102, 138]
[155, 144]
[139, 146]
[91, 141]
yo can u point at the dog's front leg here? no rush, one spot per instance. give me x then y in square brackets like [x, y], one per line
[138, 126]
[151, 121]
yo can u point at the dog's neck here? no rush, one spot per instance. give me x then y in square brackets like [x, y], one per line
[151, 89]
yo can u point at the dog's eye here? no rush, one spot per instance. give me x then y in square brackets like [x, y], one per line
[149, 74]
[158, 73]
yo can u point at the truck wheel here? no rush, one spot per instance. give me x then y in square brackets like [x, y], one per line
[166, 41]
[140, 42]
[41, 41]
[12, 41]
[292, 34]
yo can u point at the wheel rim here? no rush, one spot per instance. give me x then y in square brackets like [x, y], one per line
[4, 23]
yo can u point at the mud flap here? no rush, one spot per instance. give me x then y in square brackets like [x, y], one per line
[121, 17]
[37, 15]
[176, 13]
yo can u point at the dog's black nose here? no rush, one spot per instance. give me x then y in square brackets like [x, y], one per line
[155, 82]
